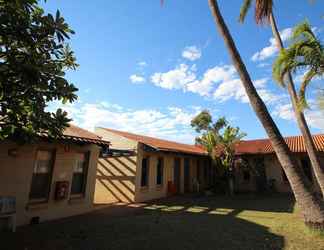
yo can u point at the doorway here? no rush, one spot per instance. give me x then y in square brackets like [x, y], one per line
[187, 175]
[176, 174]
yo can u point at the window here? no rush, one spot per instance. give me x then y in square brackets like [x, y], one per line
[199, 172]
[159, 172]
[246, 175]
[42, 175]
[80, 170]
[145, 172]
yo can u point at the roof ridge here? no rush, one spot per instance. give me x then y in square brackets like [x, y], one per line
[85, 130]
[120, 132]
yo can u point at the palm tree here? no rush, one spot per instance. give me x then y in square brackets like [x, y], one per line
[264, 13]
[311, 208]
[219, 139]
[305, 52]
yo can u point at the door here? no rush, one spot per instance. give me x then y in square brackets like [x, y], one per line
[176, 174]
[186, 175]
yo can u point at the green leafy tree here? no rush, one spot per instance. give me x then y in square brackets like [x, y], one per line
[33, 59]
[219, 139]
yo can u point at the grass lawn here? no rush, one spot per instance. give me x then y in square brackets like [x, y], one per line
[242, 222]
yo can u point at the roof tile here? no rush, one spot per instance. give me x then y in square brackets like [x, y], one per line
[161, 144]
[263, 146]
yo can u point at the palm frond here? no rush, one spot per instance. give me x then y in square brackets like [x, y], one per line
[244, 10]
[263, 10]
[282, 65]
[303, 30]
[302, 97]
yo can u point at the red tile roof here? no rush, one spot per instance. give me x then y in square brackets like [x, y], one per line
[263, 146]
[160, 144]
[259, 146]
[77, 134]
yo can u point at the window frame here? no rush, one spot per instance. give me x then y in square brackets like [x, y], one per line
[87, 155]
[147, 158]
[162, 171]
[53, 152]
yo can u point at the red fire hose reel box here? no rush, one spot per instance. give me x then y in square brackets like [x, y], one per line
[171, 188]
[61, 190]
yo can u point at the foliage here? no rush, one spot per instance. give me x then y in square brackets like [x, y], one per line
[33, 61]
[305, 53]
[262, 12]
[219, 138]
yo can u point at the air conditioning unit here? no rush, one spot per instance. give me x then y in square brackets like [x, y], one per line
[7, 205]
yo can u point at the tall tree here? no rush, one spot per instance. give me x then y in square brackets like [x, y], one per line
[264, 14]
[219, 138]
[304, 53]
[33, 59]
[311, 208]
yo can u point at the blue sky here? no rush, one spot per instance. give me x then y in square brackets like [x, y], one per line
[149, 69]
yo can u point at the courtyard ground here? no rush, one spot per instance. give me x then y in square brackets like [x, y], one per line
[186, 222]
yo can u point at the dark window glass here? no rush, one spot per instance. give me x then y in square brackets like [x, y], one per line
[159, 172]
[198, 170]
[80, 170]
[246, 175]
[42, 175]
[145, 172]
[307, 168]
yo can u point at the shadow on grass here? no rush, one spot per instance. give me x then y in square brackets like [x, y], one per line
[176, 223]
[274, 203]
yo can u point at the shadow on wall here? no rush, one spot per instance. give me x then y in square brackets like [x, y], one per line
[137, 226]
[115, 180]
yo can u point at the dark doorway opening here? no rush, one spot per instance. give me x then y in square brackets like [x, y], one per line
[186, 175]
[176, 174]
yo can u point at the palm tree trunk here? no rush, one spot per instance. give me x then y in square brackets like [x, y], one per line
[311, 208]
[301, 121]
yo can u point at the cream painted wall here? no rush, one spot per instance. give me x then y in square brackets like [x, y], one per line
[115, 181]
[117, 141]
[153, 191]
[113, 193]
[274, 171]
[16, 175]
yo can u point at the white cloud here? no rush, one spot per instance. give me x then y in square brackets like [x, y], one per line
[231, 89]
[172, 123]
[177, 78]
[315, 119]
[284, 112]
[184, 77]
[314, 116]
[220, 82]
[263, 65]
[272, 49]
[191, 53]
[211, 77]
[142, 64]
[136, 79]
